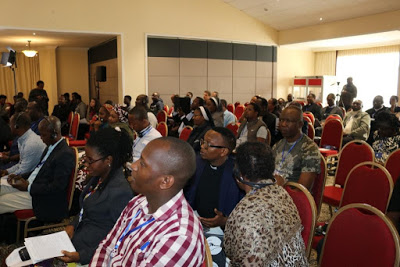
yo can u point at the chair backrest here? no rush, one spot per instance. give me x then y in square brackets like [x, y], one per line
[368, 183]
[360, 235]
[310, 131]
[310, 115]
[162, 116]
[72, 179]
[166, 108]
[171, 109]
[332, 134]
[333, 116]
[317, 190]
[184, 135]
[234, 127]
[307, 210]
[70, 116]
[392, 164]
[239, 111]
[208, 256]
[231, 108]
[75, 126]
[237, 103]
[352, 154]
[162, 128]
[306, 118]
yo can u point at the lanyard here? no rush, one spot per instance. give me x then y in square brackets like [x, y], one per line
[284, 155]
[128, 232]
[142, 134]
[88, 195]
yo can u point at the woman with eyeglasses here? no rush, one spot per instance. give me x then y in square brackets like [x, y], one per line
[203, 122]
[264, 229]
[105, 195]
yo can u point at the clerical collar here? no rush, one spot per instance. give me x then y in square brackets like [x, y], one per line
[214, 167]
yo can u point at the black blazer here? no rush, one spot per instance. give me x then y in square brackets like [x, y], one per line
[50, 187]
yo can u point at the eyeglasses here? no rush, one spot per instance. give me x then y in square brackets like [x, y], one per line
[91, 161]
[206, 145]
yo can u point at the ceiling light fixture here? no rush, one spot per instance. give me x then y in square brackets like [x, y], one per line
[29, 52]
[320, 19]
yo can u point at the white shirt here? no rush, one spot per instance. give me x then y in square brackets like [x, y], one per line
[152, 119]
[140, 142]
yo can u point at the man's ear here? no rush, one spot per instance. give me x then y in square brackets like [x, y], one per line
[167, 181]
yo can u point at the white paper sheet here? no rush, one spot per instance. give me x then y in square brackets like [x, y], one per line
[3, 181]
[14, 260]
[48, 246]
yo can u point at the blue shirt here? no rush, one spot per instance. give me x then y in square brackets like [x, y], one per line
[30, 148]
[228, 118]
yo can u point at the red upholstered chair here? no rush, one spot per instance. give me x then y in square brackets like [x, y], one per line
[73, 130]
[170, 111]
[307, 210]
[246, 104]
[231, 108]
[392, 164]
[310, 131]
[237, 103]
[317, 190]
[28, 215]
[166, 108]
[360, 235]
[351, 154]
[333, 116]
[331, 138]
[184, 135]
[162, 128]
[368, 183]
[69, 120]
[300, 102]
[310, 115]
[162, 116]
[239, 111]
[234, 127]
[306, 118]
[77, 143]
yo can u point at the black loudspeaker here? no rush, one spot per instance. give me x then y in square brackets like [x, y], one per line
[101, 74]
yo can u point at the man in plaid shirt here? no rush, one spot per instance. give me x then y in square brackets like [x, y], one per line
[157, 227]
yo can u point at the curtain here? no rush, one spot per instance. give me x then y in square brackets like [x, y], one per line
[26, 76]
[325, 63]
[375, 71]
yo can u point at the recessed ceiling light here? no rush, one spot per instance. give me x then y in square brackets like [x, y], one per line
[34, 33]
[320, 19]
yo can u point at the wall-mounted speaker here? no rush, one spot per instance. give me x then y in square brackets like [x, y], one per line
[101, 74]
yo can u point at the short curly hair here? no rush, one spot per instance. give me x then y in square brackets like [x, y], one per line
[255, 161]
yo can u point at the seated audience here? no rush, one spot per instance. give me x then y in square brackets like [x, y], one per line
[158, 103]
[30, 145]
[273, 107]
[62, 111]
[127, 103]
[39, 95]
[206, 95]
[157, 227]
[5, 131]
[143, 101]
[181, 117]
[289, 100]
[203, 122]
[212, 191]
[386, 138]
[356, 124]
[104, 197]
[139, 122]
[252, 127]
[35, 111]
[214, 94]
[215, 109]
[312, 107]
[265, 228]
[80, 106]
[297, 158]
[45, 189]
[377, 108]
[331, 108]
[229, 117]
[268, 118]
[93, 109]
[394, 107]
[101, 121]
[119, 118]
[3, 104]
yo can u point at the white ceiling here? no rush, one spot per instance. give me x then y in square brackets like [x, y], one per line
[291, 14]
[18, 39]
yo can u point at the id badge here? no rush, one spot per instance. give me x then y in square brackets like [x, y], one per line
[378, 155]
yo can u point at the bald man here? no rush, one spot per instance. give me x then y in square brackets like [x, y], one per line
[157, 227]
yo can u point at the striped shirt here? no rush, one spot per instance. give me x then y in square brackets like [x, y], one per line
[173, 238]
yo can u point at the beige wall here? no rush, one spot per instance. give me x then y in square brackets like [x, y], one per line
[389, 21]
[109, 88]
[72, 72]
[212, 19]
[48, 73]
[292, 63]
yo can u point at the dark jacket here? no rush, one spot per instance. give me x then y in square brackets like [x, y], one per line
[229, 194]
[101, 210]
[197, 134]
[50, 187]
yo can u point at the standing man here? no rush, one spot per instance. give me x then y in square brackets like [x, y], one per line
[349, 92]
[39, 95]
[297, 158]
[139, 122]
[356, 124]
[157, 227]
[157, 104]
[212, 191]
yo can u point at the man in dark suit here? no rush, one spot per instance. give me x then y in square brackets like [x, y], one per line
[46, 188]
